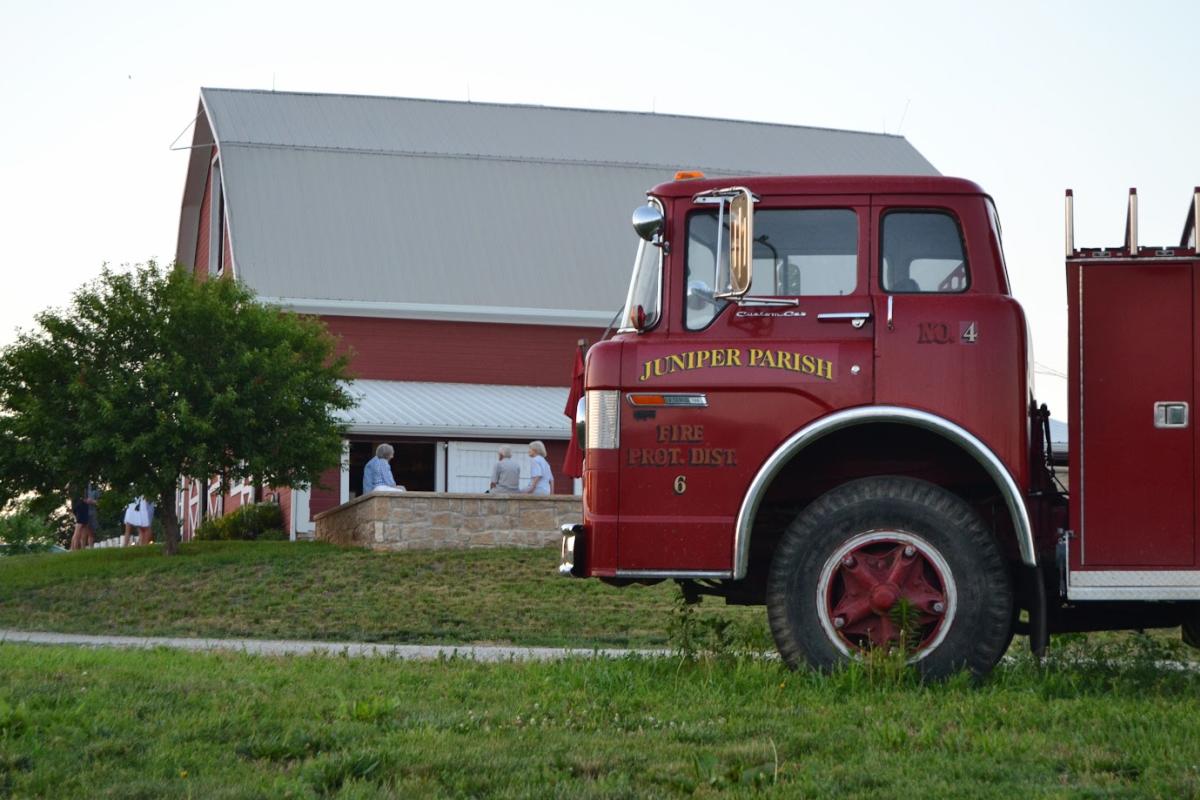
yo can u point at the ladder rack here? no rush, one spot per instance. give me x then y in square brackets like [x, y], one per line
[1130, 248]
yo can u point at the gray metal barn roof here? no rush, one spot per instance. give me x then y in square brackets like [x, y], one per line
[410, 408]
[422, 208]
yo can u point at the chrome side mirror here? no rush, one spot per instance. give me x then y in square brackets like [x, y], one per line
[741, 243]
[647, 221]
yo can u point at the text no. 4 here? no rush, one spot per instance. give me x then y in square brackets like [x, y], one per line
[941, 333]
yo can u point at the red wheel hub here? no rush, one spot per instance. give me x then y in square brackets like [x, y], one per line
[883, 597]
[865, 591]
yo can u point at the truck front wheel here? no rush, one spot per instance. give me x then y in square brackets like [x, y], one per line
[890, 563]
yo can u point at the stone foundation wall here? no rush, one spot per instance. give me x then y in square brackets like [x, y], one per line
[439, 521]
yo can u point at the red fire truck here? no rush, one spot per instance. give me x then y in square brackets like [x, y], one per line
[821, 400]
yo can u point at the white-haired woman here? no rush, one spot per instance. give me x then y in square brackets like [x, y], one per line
[378, 472]
[541, 478]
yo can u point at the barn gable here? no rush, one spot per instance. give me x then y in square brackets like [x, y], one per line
[428, 209]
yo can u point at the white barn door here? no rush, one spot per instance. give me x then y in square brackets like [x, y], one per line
[469, 465]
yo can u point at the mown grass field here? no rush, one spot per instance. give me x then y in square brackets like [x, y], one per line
[77, 723]
[315, 591]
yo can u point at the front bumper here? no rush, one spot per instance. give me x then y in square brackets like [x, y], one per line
[572, 542]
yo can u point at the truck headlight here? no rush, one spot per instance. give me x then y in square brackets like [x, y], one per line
[603, 419]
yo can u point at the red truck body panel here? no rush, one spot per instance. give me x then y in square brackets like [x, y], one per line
[768, 371]
[886, 362]
[1133, 344]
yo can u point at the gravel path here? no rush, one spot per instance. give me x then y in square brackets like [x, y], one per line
[275, 647]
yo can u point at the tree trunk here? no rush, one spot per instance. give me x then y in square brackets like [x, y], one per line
[170, 522]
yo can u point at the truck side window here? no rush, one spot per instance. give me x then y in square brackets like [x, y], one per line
[797, 253]
[923, 252]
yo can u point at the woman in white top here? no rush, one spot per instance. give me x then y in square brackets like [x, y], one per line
[541, 479]
[139, 514]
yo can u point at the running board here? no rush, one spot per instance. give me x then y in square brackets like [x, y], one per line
[1147, 585]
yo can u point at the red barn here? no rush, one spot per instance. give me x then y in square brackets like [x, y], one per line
[459, 250]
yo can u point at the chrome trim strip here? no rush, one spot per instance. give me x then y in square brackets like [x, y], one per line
[717, 196]
[1070, 222]
[1195, 237]
[673, 573]
[1109, 259]
[849, 418]
[1142, 593]
[1144, 585]
[1145, 578]
[683, 399]
[1131, 224]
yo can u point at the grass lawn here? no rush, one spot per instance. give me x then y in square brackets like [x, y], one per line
[315, 591]
[86, 723]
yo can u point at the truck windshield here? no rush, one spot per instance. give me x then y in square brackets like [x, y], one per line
[797, 253]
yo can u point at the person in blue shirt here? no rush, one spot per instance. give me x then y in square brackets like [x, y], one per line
[378, 472]
[541, 478]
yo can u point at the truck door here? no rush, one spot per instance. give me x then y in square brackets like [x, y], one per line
[708, 402]
[950, 339]
[1134, 465]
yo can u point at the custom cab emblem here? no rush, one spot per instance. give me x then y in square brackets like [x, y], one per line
[771, 314]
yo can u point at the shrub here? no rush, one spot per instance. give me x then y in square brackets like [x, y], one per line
[692, 635]
[25, 532]
[257, 521]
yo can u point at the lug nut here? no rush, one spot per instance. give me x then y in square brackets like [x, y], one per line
[939, 607]
[839, 622]
[848, 562]
[910, 551]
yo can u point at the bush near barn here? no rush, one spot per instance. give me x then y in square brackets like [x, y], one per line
[253, 522]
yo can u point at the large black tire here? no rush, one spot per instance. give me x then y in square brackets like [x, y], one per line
[827, 562]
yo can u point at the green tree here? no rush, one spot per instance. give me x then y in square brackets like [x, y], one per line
[151, 376]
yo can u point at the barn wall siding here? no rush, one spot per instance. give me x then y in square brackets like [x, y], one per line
[201, 263]
[459, 352]
[326, 493]
[284, 498]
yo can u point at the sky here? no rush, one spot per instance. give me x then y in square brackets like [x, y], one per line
[1027, 99]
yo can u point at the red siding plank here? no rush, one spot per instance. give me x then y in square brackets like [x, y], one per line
[460, 352]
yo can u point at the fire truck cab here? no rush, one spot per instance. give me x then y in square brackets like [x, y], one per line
[821, 400]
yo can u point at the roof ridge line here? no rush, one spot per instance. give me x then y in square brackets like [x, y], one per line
[554, 108]
[477, 157]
